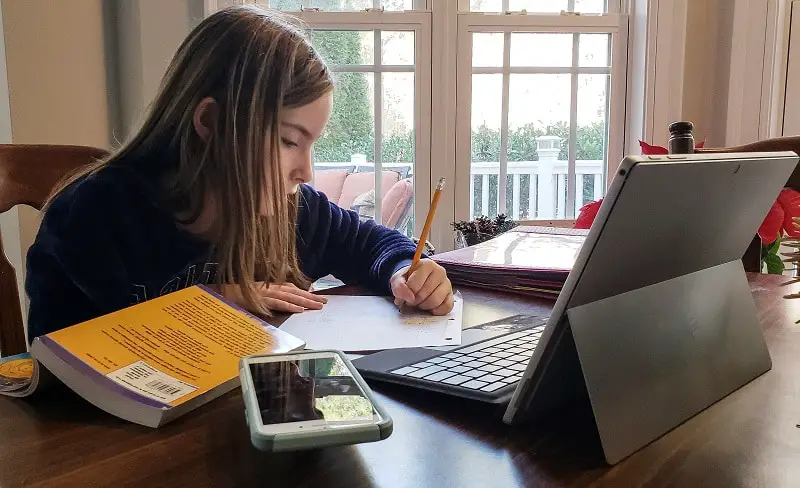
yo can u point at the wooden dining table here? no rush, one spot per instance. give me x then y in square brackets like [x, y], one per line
[751, 438]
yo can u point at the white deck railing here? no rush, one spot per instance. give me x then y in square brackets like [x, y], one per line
[546, 182]
[547, 187]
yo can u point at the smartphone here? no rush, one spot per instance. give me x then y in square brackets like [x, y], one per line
[308, 400]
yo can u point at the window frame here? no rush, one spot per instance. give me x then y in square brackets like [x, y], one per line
[612, 7]
[378, 20]
[417, 5]
[468, 23]
[439, 119]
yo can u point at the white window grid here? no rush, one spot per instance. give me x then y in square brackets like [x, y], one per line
[310, 5]
[468, 23]
[447, 62]
[611, 6]
[377, 20]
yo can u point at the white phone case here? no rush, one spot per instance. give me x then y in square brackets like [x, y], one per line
[312, 439]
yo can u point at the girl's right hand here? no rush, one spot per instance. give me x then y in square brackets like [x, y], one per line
[289, 298]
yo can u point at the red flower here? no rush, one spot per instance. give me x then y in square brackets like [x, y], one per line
[772, 224]
[790, 201]
[587, 214]
[649, 150]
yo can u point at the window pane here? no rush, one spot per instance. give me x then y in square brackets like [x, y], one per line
[591, 138]
[487, 92]
[591, 6]
[538, 5]
[345, 47]
[398, 4]
[538, 139]
[344, 155]
[397, 48]
[532, 6]
[397, 151]
[293, 5]
[487, 49]
[593, 49]
[551, 50]
[339, 5]
[350, 135]
[486, 5]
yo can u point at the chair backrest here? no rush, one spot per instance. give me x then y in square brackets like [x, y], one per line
[767, 145]
[359, 183]
[752, 257]
[397, 204]
[28, 174]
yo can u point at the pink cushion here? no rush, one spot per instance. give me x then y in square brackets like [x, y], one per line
[357, 183]
[330, 182]
[396, 201]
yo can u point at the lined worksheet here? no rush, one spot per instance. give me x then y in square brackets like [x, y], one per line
[361, 323]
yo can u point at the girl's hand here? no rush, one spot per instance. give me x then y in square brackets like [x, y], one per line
[427, 288]
[289, 298]
[279, 298]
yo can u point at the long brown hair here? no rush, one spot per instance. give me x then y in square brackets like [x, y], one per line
[254, 63]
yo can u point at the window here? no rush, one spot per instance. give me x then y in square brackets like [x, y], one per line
[533, 90]
[378, 137]
[537, 92]
[540, 6]
[340, 5]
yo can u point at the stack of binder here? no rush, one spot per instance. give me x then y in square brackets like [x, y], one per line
[528, 260]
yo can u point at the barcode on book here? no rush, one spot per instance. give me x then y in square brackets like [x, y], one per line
[163, 387]
[151, 382]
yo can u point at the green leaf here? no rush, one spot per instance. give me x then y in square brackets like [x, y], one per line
[773, 249]
[774, 264]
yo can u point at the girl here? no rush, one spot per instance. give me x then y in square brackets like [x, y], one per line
[212, 190]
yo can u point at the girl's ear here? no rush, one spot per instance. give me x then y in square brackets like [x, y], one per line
[205, 114]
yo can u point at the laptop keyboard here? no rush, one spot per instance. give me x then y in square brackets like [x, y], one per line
[486, 366]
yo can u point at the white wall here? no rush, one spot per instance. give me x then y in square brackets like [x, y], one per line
[79, 73]
[637, 76]
[148, 34]
[689, 68]
[9, 221]
[713, 63]
[56, 89]
[791, 108]
[706, 69]
[748, 71]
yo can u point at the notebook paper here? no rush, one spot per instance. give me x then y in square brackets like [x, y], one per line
[359, 323]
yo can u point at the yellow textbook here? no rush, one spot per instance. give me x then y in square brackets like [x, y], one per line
[152, 362]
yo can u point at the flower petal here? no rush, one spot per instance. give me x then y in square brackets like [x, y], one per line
[789, 200]
[587, 214]
[772, 224]
[647, 149]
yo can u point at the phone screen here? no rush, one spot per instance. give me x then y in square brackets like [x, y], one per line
[308, 389]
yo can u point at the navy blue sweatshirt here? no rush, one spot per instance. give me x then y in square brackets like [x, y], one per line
[104, 244]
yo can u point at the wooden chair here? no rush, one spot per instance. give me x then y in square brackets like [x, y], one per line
[752, 257]
[28, 173]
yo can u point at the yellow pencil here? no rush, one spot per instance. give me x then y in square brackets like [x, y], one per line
[427, 228]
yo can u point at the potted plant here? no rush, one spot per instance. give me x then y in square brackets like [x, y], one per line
[481, 229]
